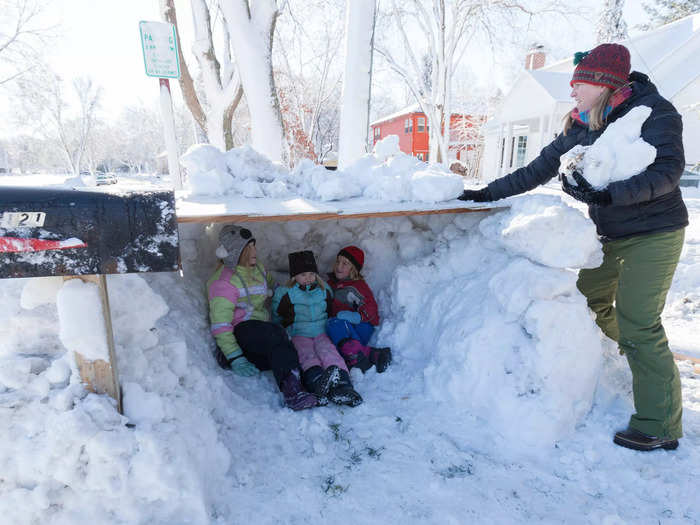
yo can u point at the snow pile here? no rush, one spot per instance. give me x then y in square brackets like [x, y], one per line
[387, 174]
[618, 154]
[82, 326]
[496, 357]
[68, 456]
[517, 337]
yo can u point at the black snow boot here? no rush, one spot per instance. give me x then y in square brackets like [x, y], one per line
[381, 357]
[294, 395]
[637, 440]
[320, 381]
[342, 393]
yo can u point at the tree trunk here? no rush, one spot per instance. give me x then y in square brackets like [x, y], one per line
[354, 115]
[252, 32]
[189, 92]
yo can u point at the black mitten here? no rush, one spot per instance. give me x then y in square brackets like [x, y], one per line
[482, 195]
[584, 192]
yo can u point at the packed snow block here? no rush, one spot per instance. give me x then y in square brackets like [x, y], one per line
[50, 232]
[504, 335]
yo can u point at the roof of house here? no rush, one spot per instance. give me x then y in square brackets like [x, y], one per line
[413, 108]
[556, 84]
[669, 54]
[475, 108]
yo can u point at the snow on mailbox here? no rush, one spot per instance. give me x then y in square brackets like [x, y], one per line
[45, 232]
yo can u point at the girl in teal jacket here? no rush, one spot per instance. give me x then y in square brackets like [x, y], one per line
[302, 307]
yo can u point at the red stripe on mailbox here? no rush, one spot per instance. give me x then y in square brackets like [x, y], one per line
[17, 244]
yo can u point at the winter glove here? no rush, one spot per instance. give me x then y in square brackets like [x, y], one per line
[584, 192]
[482, 195]
[350, 317]
[242, 367]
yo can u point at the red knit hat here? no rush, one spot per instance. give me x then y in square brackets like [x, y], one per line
[354, 255]
[605, 65]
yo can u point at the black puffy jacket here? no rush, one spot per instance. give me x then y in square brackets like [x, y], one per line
[649, 202]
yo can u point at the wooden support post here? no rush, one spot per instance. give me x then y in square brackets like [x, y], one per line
[101, 376]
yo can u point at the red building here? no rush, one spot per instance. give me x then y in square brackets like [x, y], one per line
[411, 126]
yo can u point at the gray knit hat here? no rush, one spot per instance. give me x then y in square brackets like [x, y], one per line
[232, 242]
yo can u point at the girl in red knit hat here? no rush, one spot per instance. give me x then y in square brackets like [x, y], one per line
[354, 312]
[641, 222]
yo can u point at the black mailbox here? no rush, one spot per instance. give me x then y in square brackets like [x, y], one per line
[70, 232]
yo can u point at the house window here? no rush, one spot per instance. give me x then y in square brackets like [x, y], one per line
[419, 155]
[410, 125]
[405, 125]
[512, 147]
[425, 157]
[522, 147]
[376, 133]
[421, 124]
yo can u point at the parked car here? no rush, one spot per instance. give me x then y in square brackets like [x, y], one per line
[691, 176]
[105, 178]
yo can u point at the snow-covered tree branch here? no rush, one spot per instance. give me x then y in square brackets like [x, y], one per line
[611, 24]
[22, 36]
[212, 101]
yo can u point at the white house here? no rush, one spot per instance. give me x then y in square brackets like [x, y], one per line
[532, 112]
[4, 160]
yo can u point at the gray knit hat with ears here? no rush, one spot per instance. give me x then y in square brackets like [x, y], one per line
[232, 242]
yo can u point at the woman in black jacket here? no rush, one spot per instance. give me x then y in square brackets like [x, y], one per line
[641, 222]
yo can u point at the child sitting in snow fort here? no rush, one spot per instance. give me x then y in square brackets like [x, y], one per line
[302, 306]
[354, 313]
[240, 321]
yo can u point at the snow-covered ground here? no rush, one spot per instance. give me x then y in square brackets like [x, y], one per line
[499, 407]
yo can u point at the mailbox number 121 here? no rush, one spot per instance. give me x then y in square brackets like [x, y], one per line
[23, 219]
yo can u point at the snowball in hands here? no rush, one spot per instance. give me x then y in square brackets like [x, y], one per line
[618, 154]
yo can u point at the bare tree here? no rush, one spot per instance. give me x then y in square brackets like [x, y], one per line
[308, 75]
[445, 30]
[22, 36]
[49, 110]
[663, 12]
[214, 100]
[611, 25]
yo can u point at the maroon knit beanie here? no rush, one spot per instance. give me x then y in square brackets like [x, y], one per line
[605, 65]
[354, 255]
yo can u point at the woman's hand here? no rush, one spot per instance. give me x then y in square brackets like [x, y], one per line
[584, 192]
[482, 195]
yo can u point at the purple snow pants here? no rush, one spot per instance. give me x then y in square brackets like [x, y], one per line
[317, 351]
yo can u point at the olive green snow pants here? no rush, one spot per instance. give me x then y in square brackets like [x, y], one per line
[636, 274]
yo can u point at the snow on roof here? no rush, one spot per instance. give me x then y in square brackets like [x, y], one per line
[555, 83]
[464, 108]
[662, 53]
[413, 108]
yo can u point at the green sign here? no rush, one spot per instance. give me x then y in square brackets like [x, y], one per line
[159, 45]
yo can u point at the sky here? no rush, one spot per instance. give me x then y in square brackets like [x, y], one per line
[101, 39]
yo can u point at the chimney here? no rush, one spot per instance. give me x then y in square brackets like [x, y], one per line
[535, 57]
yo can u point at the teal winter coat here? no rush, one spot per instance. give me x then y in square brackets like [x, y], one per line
[303, 310]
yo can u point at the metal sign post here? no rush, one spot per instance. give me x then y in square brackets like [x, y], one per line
[160, 58]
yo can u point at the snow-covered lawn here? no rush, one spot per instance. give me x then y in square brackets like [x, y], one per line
[499, 408]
